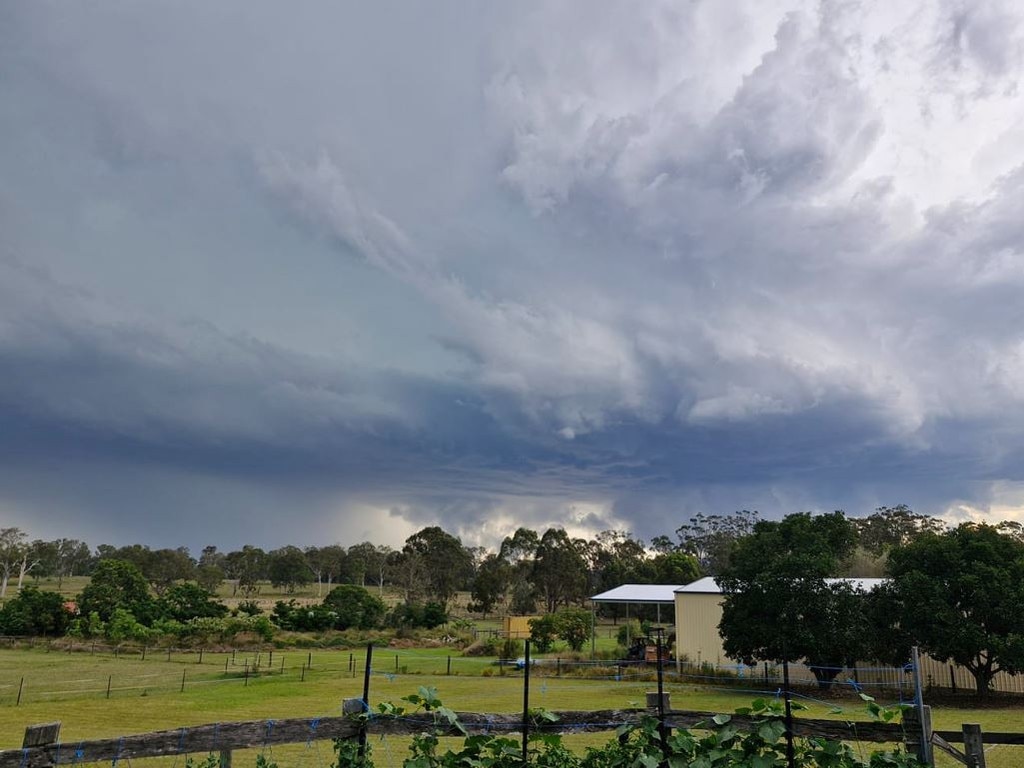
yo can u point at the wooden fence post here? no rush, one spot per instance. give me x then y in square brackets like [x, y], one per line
[917, 723]
[974, 748]
[41, 735]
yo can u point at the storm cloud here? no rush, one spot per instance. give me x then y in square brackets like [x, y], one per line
[285, 275]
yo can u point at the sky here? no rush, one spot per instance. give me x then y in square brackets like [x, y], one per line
[333, 272]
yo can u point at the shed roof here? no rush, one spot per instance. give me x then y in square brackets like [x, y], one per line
[638, 593]
[708, 585]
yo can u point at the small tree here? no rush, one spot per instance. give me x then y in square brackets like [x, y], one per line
[190, 601]
[117, 584]
[575, 626]
[356, 608]
[543, 631]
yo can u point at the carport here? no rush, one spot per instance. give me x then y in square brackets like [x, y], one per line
[636, 594]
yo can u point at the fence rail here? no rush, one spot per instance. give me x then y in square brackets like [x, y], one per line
[224, 737]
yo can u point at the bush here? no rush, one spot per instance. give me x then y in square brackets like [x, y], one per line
[355, 607]
[303, 618]
[412, 615]
[124, 626]
[628, 632]
[33, 612]
[543, 630]
[575, 626]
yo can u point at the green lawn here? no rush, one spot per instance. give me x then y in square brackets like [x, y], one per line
[146, 695]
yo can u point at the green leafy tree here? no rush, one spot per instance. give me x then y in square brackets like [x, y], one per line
[44, 554]
[492, 580]
[247, 566]
[520, 551]
[543, 632]
[711, 538]
[960, 596]
[675, 568]
[559, 571]
[123, 625]
[889, 527]
[287, 567]
[574, 626]
[326, 564]
[33, 612]
[163, 567]
[190, 601]
[355, 607]
[439, 560]
[13, 551]
[117, 584]
[780, 602]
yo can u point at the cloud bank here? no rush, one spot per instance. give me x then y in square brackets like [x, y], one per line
[367, 269]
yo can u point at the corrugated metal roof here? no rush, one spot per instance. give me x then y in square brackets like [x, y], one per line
[709, 586]
[638, 593]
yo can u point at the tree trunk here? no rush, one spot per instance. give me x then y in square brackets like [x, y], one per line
[3, 584]
[983, 675]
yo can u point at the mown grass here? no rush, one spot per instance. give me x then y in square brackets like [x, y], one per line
[146, 695]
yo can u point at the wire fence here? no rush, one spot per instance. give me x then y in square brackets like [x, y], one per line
[169, 671]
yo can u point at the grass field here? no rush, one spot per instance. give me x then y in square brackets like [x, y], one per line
[146, 695]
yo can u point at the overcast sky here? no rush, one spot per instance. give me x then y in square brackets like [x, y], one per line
[326, 272]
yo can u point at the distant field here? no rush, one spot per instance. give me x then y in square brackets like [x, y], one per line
[146, 695]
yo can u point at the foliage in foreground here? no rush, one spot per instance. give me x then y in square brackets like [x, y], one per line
[716, 743]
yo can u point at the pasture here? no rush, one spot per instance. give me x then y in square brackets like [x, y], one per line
[146, 695]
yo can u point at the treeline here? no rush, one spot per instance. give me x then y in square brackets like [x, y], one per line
[531, 570]
[958, 593]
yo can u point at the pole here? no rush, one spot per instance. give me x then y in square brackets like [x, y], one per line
[366, 700]
[924, 719]
[593, 631]
[662, 730]
[246, 683]
[449, 665]
[21, 687]
[790, 756]
[526, 703]
[183, 679]
[109, 678]
[200, 656]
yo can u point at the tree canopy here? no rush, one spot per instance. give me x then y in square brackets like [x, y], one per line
[780, 604]
[960, 596]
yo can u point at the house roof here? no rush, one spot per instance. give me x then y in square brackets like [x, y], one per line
[708, 585]
[638, 593]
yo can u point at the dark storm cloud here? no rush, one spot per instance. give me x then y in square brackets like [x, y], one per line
[383, 267]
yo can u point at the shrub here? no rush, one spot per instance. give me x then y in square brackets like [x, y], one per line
[124, 626]
[628, 632]
[543, 630]
[303, 618]
[33, 612]
[575, 626]
[355, 607]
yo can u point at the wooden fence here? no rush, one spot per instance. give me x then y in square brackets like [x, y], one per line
[42, 747]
